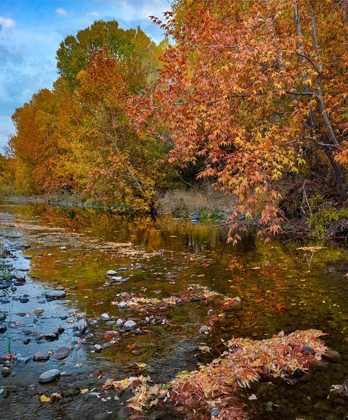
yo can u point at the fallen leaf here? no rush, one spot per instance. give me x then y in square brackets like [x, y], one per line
[43, 398]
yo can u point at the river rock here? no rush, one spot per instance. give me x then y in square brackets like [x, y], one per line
[26, 341]
[215, 412]
[4, 286]
[332, 356]
[41, 356]
[122, 305]
[13, 235]
[62, 248]
[308, 350]
[204, 330]
[111, 273]
[98, 348]
[62, 353]
[105, 317]
[56, 294]
[38, 311]
[119, 323]
[20, 275]
[6, 371]
[82, 325]
[3, 328]
[21, 359]
[3, 316]
[24, 300]
[49, 376]
[129, 325]
[49, 337]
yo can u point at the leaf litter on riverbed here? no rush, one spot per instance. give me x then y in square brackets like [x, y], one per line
[216, 384]
[192, 292]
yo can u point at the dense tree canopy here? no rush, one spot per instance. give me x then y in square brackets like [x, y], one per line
[132, 47]
[259, 89]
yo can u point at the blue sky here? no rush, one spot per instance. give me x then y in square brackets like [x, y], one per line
[30, 34]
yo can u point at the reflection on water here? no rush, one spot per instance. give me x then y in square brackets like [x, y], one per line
[281, 287]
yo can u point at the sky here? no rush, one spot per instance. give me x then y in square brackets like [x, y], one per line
[30, 34]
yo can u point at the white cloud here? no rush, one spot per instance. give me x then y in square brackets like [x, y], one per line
[62, 12]
[6, 23]
[96, 14]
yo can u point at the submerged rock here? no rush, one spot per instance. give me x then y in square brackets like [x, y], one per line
[20, 275]
[62, 353]
[6, 371]
[56, 294]
[13, 235]
[3, 328]
[82, 325]
[49, 376]
[41, 356]
[332, 356]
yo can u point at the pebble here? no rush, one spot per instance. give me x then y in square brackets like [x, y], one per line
[111, 273]
[119, 323]
[139, 331]
[215, 412]
[122, 305]
[3, 328]
[98, 348]
[49, 376]
[105, 317]
[3, 316]
[26, 341]
[129, 325]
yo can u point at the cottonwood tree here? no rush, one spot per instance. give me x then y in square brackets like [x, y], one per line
[251, 86]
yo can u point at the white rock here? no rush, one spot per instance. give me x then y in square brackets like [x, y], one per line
[111, 273]
[129, 325]
[105, 317]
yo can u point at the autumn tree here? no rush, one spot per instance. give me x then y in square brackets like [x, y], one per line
[36, 145]
[132, 47]
[259, 89]
[109, 159]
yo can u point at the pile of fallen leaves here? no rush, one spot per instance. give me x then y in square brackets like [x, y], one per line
[192, 292]
[215, 385]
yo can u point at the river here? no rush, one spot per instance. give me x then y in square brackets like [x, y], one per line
[281, 286]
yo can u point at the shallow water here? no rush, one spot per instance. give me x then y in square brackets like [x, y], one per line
[281, 288]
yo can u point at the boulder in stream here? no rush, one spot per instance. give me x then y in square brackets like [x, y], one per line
[49, 376]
